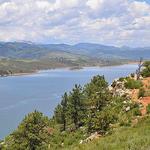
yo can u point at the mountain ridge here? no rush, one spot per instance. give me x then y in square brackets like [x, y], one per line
[37, 51]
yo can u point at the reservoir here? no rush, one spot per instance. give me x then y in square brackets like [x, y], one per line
[42, 91]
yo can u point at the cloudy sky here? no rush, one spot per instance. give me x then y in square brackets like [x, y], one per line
[111, 22]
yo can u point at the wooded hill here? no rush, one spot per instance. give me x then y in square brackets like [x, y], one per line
[27, 50]
[26, 57]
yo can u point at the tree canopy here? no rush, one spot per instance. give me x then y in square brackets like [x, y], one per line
[146, 70]
[31, 134]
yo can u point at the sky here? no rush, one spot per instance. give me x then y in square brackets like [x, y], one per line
[109, 22]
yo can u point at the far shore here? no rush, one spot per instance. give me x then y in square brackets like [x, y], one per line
[69, 68]
[22, 74]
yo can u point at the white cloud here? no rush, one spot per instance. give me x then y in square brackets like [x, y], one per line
[116, 22]
[95, 4]
[139, 8]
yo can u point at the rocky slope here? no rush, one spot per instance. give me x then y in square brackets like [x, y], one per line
[118, 88]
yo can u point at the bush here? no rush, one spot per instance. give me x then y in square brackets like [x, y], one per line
[141, 92]
[147, 93]
[136, 112]
[146, 70]
[132, 75]
[133, 84]
[148, 109]
[125, 138]
[121, 79]
[101, 121]
[124, 121]
[32, 133]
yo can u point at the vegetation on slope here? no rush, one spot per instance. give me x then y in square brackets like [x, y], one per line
[133, 84]
[15, 56]
[146, 70]
[24, 50]
[124, 138]
[82, 112]
[56, 60]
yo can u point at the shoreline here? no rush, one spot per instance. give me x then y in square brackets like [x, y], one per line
[22, 74]
[53, 69]
[69, 68]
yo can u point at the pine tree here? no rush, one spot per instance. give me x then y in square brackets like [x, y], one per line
[61, 111]
[146, 70]
[76, 105]
[97, 93]
[64, 110]
[31, 134]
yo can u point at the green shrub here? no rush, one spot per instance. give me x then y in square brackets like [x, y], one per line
[124, 138]
[146, 70]
[141, 92]
[136, 112]
[132, 75]
[148, 109]
[147, 93]
[124, 120]
[31, 133]
[133, 84]
[121, 79]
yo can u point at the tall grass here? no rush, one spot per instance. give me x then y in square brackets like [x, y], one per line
[126, 138]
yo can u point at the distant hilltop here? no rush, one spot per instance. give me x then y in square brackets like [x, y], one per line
[29, 50]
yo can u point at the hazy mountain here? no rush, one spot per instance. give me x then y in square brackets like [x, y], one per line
[37, 51]
[103, 51]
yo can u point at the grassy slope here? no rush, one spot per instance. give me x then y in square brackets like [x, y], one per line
[126, 138]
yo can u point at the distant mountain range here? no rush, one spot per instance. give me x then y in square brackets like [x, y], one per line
[28, 50]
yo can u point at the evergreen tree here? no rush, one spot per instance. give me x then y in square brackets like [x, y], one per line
[97, 93]
[58, 114]
[31, 133]
[64, 110]
[76, 105]
[61, 111]
[146, 70]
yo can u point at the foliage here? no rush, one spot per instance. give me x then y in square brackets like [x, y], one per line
[61, 111]
[122, 79]
[146, 71]
[148, 109]
[71, 108]
[82, 111]
[82, 103]
[76, 105]
[31, 133]
[141, 92]
[136, 112]
[133, 84]
[124, 138]
[100, 121]
[97, 93]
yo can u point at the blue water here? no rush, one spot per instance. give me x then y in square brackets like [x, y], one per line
[20, 95]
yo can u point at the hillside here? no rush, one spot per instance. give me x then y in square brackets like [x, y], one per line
[24, 50]
[125, 138]
[9, 66]
[17, 57]
[95, 116]
[103, 51]
[26, 57]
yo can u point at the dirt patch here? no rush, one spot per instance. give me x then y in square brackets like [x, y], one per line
[144, 100]
[134, 94]
[146, 82]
